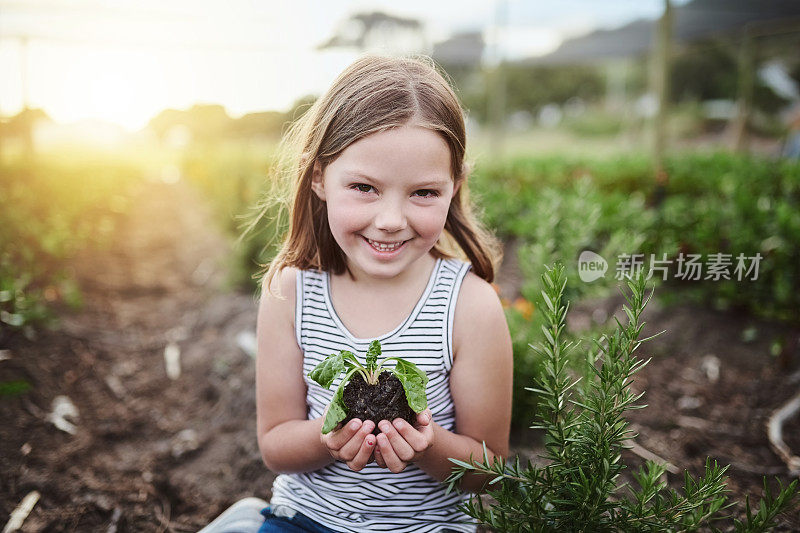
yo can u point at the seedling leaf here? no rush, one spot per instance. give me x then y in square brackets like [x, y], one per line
[330, 367]
[414, 381]
[372, 356]
[336, 411]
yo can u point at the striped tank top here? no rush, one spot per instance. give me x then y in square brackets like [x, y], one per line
[375, 499]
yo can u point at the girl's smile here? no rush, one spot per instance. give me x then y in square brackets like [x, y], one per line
[385, 249]
[387, 197]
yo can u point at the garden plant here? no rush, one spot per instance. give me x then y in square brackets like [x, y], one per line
[370, 392]
[578, 486]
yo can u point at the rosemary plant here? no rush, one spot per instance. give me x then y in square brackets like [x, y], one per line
[585, 431]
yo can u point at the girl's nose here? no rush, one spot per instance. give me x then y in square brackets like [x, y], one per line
[390, 217]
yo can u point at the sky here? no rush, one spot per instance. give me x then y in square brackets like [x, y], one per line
[123, 61]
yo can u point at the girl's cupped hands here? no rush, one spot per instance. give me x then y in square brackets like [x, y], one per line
[353, 443]
[400, 443]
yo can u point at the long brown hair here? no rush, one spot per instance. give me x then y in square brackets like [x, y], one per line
[373, 94]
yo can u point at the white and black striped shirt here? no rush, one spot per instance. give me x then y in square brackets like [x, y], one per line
[375, 499]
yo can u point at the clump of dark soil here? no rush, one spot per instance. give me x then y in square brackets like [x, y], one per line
[384, 401]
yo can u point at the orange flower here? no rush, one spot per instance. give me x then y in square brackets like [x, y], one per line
[524, 307]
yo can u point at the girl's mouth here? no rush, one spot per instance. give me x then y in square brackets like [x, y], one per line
[384, 248]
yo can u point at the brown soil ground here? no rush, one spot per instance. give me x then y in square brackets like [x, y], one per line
[151, 453]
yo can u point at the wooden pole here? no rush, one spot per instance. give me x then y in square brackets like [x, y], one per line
[496, 104]
[745, 91]
[661, 86]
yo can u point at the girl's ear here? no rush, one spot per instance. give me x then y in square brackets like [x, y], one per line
[457, 186]
[460, 179]
[317, 183]
[466, 168]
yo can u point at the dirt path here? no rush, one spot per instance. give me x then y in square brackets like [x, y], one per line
[150, 453]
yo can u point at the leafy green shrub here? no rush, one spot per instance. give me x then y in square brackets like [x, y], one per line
[526, 364]
[713, 203]
[51, 209]
[731, 205]
[558, 224]
[233, 176]
[595, 124]
[579, 488]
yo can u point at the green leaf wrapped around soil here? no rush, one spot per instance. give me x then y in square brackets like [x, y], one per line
[414, 381]
[333, 365]
[336, 411]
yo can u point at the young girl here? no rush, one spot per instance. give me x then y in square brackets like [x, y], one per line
[380, 194]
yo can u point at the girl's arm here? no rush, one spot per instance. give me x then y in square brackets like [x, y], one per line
[480, 384]
[287, 440]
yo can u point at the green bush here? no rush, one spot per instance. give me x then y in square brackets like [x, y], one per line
[553, 223]
[52, 208]
[233, 176]
[554, 208]
[585, 431]
[713, 203]
[595, 124]
[731, 205]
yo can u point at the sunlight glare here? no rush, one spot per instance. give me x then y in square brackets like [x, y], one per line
[116, 85]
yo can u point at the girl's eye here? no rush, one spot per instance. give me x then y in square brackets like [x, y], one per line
[423, 193]
[361, 187]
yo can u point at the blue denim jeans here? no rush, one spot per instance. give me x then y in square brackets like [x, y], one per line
[282, 519]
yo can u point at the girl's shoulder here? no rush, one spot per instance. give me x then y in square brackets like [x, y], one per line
[476, 292]
[479, 313]
[282, 283]
[275, 323]
[281, 294]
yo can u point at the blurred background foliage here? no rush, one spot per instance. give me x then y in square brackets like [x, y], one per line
[52, 209]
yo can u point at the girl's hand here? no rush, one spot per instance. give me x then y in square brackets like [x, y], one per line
[353, 443]
[400, 443]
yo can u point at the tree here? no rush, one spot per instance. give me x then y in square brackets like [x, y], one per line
[378, 30]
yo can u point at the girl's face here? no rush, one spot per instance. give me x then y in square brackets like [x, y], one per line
[387, 199]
